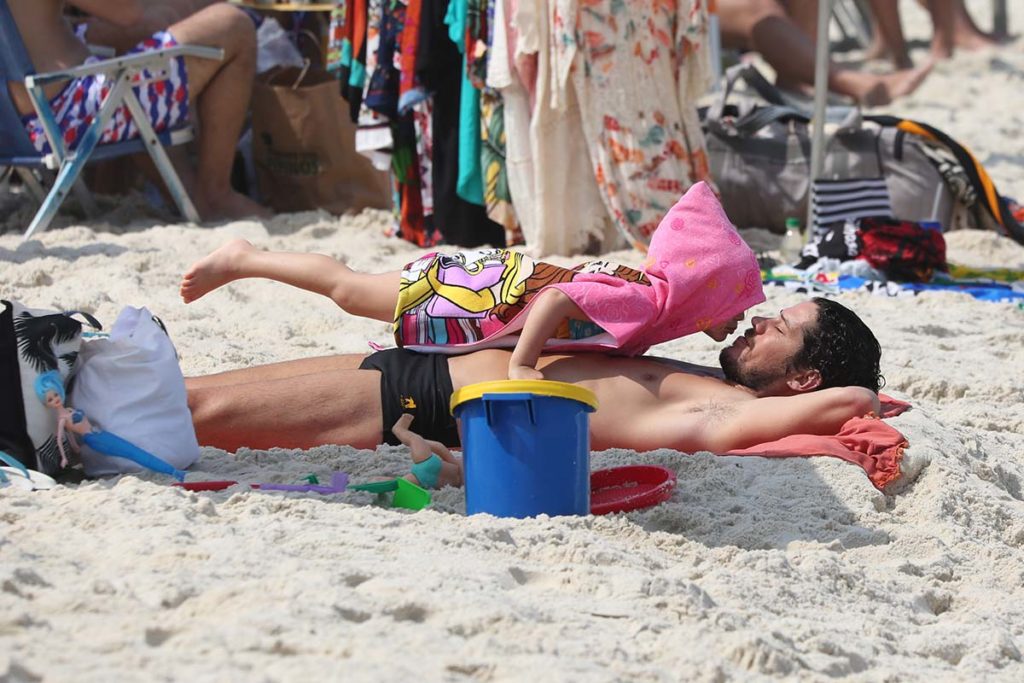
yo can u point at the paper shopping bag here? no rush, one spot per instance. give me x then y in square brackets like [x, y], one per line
[304, 146]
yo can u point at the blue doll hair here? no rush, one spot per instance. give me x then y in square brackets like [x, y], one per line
[49, 381]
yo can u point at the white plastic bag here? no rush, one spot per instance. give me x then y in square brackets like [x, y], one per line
[274, 48]
[130, 384]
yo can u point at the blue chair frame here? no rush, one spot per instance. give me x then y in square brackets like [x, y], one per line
[16, 149]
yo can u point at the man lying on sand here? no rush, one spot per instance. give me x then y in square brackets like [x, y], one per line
[806, 371]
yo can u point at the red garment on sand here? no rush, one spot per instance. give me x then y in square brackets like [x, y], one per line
[865, 441]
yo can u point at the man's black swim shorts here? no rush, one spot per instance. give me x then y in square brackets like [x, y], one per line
[416, 383]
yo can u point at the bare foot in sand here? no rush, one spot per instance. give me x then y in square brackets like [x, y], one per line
[215, 270]
[873, 90]
[976, 40]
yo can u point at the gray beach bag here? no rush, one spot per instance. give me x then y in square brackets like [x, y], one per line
[760, 154]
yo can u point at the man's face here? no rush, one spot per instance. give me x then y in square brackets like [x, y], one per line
[762, 357]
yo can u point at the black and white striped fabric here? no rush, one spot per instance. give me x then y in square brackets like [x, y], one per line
[838, 201]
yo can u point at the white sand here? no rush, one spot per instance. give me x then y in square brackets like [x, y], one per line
[795, 569]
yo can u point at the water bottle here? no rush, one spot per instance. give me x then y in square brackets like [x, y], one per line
[792, 242]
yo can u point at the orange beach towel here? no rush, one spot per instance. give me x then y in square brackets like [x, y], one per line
[865, 441]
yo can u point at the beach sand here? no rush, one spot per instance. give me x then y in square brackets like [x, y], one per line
[756, 568]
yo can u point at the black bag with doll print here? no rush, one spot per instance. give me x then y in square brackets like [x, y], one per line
[33, 342]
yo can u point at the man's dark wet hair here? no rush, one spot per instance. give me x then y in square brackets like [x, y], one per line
[842, 348]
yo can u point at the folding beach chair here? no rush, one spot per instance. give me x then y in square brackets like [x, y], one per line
[17, 150]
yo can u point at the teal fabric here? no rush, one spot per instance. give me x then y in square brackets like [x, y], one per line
[455, 18]
[358, 75]
[428, 471]
[470, 184]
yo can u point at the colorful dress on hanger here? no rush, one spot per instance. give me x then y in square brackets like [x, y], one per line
[637, 69]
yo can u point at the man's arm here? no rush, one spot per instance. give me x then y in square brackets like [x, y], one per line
[724, 426]
[767, 419]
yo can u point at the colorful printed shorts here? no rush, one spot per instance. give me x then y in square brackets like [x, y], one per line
[75, 107]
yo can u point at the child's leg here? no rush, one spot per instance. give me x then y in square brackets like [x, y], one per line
[364, 294]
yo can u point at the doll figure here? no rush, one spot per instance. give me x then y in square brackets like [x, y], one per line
[50, 390]
[433, 464]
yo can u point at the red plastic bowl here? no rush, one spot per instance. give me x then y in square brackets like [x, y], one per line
[619, 489]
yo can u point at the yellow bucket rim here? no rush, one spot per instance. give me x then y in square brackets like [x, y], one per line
[542, 387]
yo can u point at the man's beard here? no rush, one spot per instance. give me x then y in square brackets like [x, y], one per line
[751, 378]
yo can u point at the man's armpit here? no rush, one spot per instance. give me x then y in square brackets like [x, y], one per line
[715, 412]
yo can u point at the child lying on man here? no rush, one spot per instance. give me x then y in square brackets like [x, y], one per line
[699, 276]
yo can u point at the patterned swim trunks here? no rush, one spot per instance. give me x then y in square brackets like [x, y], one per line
[166, 102]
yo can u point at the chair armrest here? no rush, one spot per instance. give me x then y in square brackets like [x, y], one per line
[138, 60]
[102, 51]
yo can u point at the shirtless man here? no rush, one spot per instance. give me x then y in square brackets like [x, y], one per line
[806, 371]
[217, 92]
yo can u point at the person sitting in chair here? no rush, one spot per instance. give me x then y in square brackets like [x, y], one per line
[218, 91]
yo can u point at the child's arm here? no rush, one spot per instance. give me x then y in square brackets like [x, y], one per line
[550, 308]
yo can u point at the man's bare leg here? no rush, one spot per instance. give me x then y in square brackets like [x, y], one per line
[334, 407]
[219, 92]
[943, 24]
[273, 371]
[370, 295]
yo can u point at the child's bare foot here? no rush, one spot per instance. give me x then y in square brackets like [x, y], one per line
[215, 270]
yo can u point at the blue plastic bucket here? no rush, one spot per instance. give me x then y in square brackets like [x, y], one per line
[526, 447]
